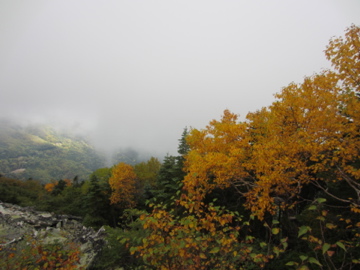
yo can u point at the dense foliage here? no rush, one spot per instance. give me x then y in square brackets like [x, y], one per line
[280, 190]
[35, 254]
[292, 163]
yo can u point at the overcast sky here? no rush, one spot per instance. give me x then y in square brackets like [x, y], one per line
[136, 72]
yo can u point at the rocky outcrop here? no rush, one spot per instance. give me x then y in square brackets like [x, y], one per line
[18, 223]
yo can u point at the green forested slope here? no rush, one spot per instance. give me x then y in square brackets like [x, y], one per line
[41, 153]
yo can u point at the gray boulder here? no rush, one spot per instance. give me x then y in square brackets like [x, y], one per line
[17, 224]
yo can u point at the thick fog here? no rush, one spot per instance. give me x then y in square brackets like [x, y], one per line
[135, 73]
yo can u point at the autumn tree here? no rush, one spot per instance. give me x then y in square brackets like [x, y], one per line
[216, 158]
[49, 187]
[307, 139]
[147, 171]
[56, 187]
[345, 58]
[122, 183]
[309, 133]
[203, 235]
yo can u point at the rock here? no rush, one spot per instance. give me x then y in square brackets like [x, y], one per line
[18, 171]
[17, 223]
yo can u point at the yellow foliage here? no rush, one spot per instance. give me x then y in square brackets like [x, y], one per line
[310, 134]
[49, 187]
[312, 129]
[122, 183]
[216, 156]
[202, 240]
[344, 56]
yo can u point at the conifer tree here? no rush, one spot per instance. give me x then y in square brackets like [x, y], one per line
[171, 173]
[97, 204]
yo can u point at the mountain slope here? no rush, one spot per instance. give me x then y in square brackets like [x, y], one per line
[39, 152]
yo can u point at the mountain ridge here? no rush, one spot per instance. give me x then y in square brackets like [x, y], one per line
[43, 153]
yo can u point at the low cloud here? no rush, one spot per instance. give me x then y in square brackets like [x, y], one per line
[136, 73]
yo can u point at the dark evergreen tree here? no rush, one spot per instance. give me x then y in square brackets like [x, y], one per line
[168, 180]
[171, 174]
[183, 147]
[97, 204]
[59, 187]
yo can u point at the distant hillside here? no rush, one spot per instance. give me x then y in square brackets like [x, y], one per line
[39, 152]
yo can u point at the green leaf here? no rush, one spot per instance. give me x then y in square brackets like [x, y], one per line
[215, 250]
[330, 226]
[263, 244]
[321, 200]
[291, 263]
[315, 261]
[182, 244]
[275, 222]
[303, 230]
[312, 207]
[303, 257]
[283, 240]
[249, 238]
[275, 231]
[276, 251]
[123, 240]
[339, 244]
[325, 247]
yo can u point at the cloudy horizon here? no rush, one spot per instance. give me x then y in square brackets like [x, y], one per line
[136, 73]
